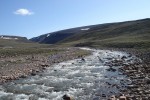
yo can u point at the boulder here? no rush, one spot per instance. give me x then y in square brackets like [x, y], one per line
[123, 57]
[82, 59]
[111, 69]
[23, 76]
[112, 97]
[66, 97]
[148, 81]
[122, 97]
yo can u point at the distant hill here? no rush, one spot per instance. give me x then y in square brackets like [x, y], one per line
[17, 42]
[52, 38]
[129, 34]
[7, 37]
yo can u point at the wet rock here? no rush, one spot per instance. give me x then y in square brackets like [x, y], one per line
[23, 76]
[83, 59]
[43, 68]
[44, 65]
[109, 58]
[100, 59]
[66, 97]
[122, 97]
[103, 95]
[63, 66]
[130, 55]
[55, 70]
[148, 81]
[95, 98]
[5, 77]
[123, 57]
[112, 97]
[56, 90]
[108, 83]
[33, 73]
[132, 86]
[111, 69]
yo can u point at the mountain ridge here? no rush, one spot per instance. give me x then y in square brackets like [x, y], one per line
[119, 34]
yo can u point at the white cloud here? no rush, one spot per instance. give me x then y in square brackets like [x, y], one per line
[23, 12]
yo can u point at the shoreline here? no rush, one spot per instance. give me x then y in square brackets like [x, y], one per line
[139, 72]
[108, 60]
[30, 65]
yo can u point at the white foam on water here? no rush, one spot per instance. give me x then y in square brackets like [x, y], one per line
[21, 97]
[79, 79]
[43, 99]
[2, 93]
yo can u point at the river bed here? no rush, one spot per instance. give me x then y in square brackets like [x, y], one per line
[90, 78]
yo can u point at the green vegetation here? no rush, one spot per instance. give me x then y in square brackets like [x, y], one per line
[9, 48]
[132, 34]
[4, 43]
[26, 51]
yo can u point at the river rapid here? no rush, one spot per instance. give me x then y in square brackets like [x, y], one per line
[90, 78]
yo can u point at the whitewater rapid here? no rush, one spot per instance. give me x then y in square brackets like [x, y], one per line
[82, 79]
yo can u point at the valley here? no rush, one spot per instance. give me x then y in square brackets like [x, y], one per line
[93, 62]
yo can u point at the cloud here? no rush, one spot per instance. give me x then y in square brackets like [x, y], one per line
[23, 12]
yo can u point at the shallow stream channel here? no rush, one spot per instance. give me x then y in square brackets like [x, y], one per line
[95, 77]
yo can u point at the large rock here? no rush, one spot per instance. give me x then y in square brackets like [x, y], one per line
[66, 97]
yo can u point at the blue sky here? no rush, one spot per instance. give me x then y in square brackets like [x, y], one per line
[31, 18]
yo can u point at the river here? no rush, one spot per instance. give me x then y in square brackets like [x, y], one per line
[82, 79]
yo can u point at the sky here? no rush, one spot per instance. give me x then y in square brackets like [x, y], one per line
[31, 18]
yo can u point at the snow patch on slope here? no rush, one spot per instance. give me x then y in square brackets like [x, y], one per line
[85, 29]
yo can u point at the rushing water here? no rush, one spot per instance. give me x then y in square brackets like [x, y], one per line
[82, 80]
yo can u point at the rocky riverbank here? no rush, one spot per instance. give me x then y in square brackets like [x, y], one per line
[13, 68]
[139, 74]
[95, 77]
